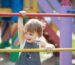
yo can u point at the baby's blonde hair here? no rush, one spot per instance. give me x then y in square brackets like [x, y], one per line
[34, 25]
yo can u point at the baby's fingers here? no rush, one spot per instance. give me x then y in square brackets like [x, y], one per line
[23, 13]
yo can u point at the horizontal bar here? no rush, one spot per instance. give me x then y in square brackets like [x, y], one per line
[37, 14]
[39, 50]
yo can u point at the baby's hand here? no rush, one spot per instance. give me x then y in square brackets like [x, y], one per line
[49, 47]
[23, 13]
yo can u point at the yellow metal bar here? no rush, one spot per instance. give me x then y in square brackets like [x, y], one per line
[35, 5]
[5, 10]
[38, 50]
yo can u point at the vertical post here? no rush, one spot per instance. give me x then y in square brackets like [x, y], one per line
[73, 1]
[65, 34]
[35, 6]
[16, 7]
[27, 3]
[0, 34]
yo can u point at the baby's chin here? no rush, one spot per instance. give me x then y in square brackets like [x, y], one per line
[29, 41]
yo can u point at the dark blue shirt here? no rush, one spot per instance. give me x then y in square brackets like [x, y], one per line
[31, 58]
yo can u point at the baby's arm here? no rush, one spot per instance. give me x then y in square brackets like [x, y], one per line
[20, 28]
[47, 46]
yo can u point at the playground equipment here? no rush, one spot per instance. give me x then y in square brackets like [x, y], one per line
[37, 15]
[65, 26]
[62, 41]
[38, 50]
[30, 6]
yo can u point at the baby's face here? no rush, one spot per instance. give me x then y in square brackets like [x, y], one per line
[31, 36]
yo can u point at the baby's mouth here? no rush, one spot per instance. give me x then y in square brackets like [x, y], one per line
[28, 39]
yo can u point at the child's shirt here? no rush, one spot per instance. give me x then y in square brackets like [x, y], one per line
[29, 58]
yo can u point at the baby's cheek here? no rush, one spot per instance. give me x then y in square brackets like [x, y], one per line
[33, 38]
[25, 36]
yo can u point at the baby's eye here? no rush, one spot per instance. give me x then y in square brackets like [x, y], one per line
[31, 34]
